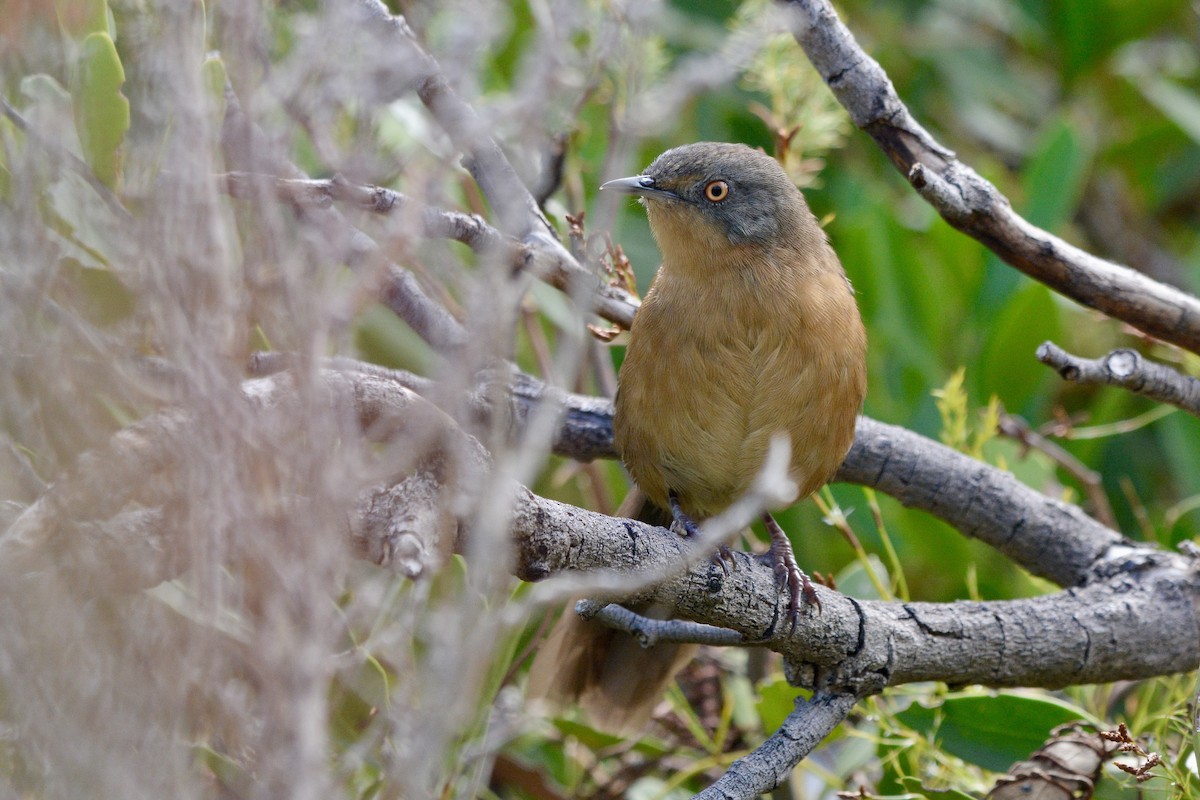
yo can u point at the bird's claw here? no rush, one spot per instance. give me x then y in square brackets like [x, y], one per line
[788, 574]
[723, 558]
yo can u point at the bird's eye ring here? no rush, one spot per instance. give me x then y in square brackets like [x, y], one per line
[716, 191]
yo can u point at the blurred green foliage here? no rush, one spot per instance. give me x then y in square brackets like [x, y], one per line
[1050, 100]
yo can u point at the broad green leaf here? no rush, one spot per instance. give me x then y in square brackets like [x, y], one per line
[914, 784]
[101, 295]
[993, 732]
[1054, 176]
[82, 17]
[1008, 367]
[778, 699]
[101, 110]
[1177, 103]
[385, 339]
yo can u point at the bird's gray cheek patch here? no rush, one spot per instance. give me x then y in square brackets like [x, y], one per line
[752, 227]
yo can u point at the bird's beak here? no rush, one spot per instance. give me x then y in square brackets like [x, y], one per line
[642, 185]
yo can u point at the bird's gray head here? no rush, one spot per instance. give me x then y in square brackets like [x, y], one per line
[740, 191]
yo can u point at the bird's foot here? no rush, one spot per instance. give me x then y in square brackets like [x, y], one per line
[723, 558]
[788, 573]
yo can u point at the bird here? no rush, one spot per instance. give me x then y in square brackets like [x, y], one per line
[749, 330]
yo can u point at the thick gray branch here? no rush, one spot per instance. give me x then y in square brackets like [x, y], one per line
[1136, 617]
[1129, 370]
[1134, 614]
[972, 204]
[1048, 537]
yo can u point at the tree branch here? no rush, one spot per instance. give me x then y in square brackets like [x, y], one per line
[972, 204]
[615, 304]
[248, 151]
[512, 201]
[650, 632]
[1048, 537]
[1089, 634]
[771, 763]
[470, 229]
[1094, 632]
[1016, 428]
[1129, 370]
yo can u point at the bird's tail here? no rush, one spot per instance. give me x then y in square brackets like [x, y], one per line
[614, 680]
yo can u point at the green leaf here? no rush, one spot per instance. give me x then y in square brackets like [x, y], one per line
[914, 784]
[993, 732]
[102, 297]
[101, 110]
[587, 735]
[1009, 368]
[1178, 104]
[778, 699]
[81, 224]
[385, 339]
[214, 77]
[81, 17]
[1054, 176]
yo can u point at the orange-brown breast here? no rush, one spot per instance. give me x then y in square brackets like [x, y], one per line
[723, 356]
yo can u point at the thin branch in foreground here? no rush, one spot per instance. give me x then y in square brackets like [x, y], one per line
[768, 766]
[249, 152]
[514, 204]
[470, 229]
[1016, 428]
[650, 632]
[616, 301]
[972, 204]
[1129, 370]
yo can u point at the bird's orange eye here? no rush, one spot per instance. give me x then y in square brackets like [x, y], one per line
[716, 191]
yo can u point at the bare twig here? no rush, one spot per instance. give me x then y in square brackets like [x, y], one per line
[470, 229]
[1017, 428]
[518, 211]
[1129, 370]
[972, 204]
[769, 765]
[650, 632]
[246, 148]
